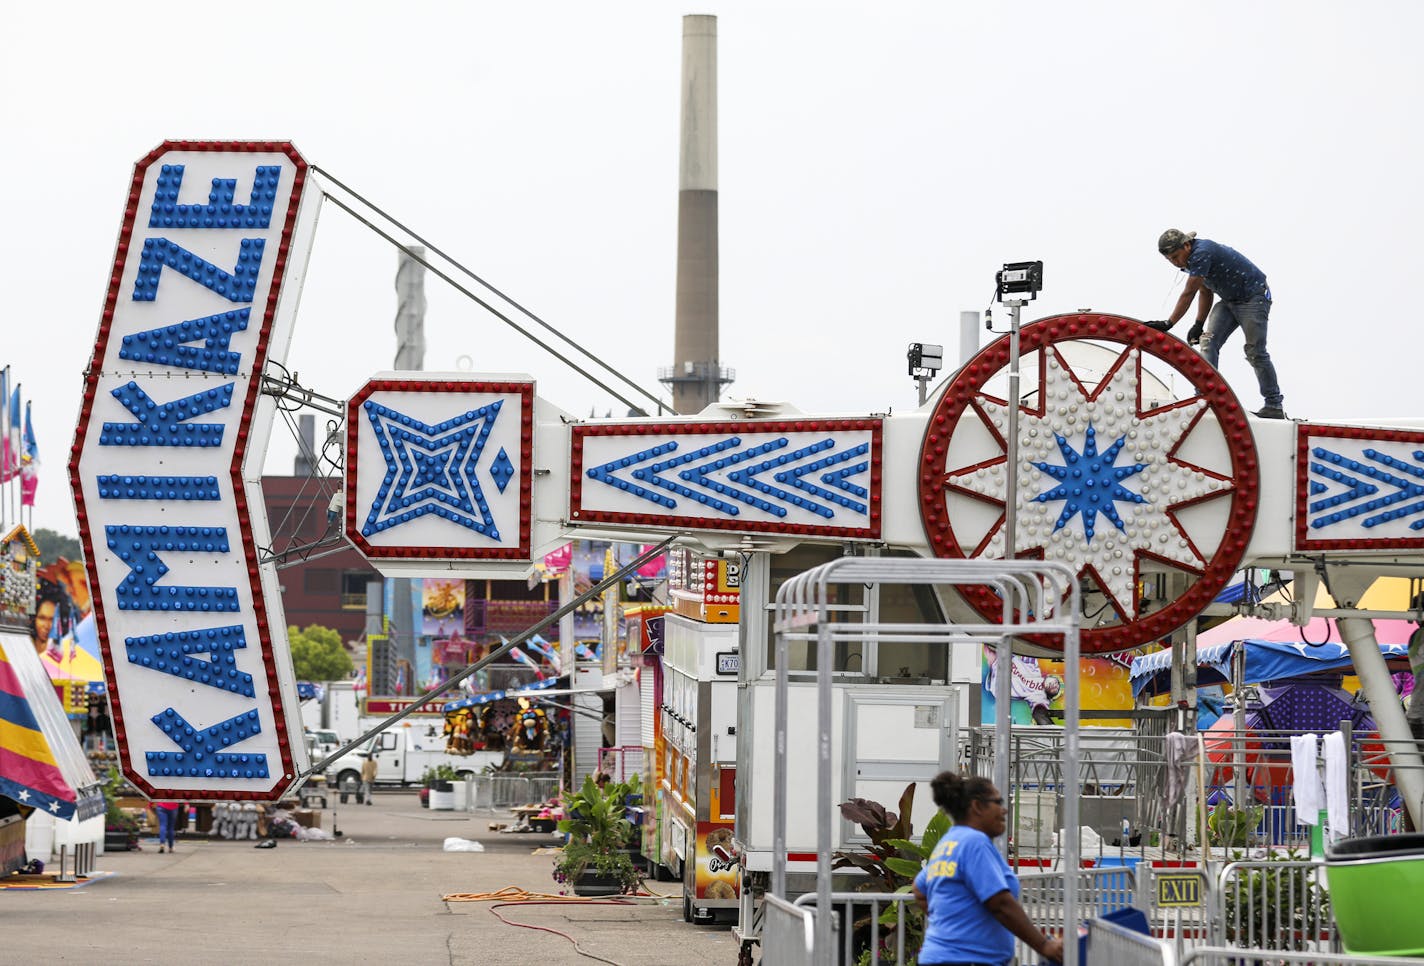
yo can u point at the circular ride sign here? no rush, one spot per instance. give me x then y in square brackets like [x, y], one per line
[1136, 468]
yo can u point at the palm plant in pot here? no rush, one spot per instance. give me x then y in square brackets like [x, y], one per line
[594, 860]
[121, 829]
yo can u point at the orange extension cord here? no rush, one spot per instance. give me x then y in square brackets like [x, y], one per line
[515, 896]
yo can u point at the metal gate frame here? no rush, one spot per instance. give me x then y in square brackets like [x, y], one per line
[1039, 597]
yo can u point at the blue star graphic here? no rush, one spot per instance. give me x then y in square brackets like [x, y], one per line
[1090, 483]
[431, 469]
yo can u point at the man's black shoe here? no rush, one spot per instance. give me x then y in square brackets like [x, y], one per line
[1270, 412]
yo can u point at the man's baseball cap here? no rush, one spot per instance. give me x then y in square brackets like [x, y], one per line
[1173, 239]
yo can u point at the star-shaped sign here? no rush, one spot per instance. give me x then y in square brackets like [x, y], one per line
[431, 469]
[1090, 484]
[1137, 483]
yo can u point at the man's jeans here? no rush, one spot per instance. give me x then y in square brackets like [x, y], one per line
[1250, 317]
[167, 818]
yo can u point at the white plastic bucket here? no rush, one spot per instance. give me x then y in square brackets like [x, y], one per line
[1035, 820]
[442, 801]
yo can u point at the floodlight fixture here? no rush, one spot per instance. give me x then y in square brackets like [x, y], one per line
[924, 356]
[1019, 279]
[925, 360]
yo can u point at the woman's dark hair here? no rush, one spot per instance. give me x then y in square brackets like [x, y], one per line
[48, 591]
[954, 793]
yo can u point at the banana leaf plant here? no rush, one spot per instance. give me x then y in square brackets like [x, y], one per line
[891, 863]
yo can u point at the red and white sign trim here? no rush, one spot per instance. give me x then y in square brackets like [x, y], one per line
[1358, 488]
[200, 688]
[808, 477]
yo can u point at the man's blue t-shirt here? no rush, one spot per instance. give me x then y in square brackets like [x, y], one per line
[964, 872]
[1225, 271]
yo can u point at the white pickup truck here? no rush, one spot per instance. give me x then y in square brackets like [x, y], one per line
[403, 756]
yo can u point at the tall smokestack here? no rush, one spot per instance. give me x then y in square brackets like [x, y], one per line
[400, 605]
[306, 461]
[697, 377]
[410, 309]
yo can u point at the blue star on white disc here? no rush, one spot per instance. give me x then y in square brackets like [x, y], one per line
[1137, 481]
[1089, 483]
[431, 469]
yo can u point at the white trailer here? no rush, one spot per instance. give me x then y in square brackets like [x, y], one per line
[403, 755]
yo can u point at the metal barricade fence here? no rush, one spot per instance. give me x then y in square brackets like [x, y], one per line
[496, 792]
[860, 912]
[1273, 905]
[1231, 956]
[1109, 942]
[1100, 891]
[788, 934]
[621, 763]
[1122, 774]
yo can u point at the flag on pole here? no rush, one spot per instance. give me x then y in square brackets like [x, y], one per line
[5, 471]
[29, 463]
[12, 447]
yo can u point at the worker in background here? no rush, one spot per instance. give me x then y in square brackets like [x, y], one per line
[368, 778]
[1217, 271]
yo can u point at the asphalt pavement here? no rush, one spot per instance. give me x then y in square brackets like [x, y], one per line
[375, 895]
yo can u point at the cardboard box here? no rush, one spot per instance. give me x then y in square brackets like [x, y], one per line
[306, 817]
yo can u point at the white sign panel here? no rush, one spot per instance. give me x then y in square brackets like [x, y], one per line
[195, 654]
[810, 477]
[1359, 488]
[439, 467]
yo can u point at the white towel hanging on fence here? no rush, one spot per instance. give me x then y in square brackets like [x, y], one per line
[1337, 785]
[1309, 794]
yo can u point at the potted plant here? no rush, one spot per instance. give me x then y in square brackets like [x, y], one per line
[439, 778]
[121, 828]
[890, 864]
[594, 860]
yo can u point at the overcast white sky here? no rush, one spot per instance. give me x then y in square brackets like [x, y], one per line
[877, 164]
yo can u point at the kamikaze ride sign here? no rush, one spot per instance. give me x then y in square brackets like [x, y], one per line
[166, 469]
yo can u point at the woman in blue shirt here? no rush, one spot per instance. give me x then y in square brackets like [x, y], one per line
[971, 895]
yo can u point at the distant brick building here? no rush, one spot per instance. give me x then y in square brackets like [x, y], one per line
[330, 588]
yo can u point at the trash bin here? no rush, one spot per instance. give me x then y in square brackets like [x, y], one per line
[1375, 883]
[442, 796]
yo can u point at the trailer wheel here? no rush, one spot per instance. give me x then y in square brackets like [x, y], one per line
[689, 889]
[349, 783]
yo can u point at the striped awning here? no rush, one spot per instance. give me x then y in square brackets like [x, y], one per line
[41, 763]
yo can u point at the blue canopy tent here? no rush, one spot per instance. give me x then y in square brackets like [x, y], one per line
[537, 688]
[1151, 674]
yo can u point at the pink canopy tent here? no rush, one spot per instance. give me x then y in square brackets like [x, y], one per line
[1387, 593]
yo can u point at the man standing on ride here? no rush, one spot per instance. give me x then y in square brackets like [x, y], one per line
[1217, 271]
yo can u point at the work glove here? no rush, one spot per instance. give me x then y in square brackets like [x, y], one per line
[1194, 334]
[1161, 325]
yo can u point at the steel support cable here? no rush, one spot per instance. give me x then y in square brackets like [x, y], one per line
[286, 390]
[618, 375]
[327, 486]
[609, 580]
